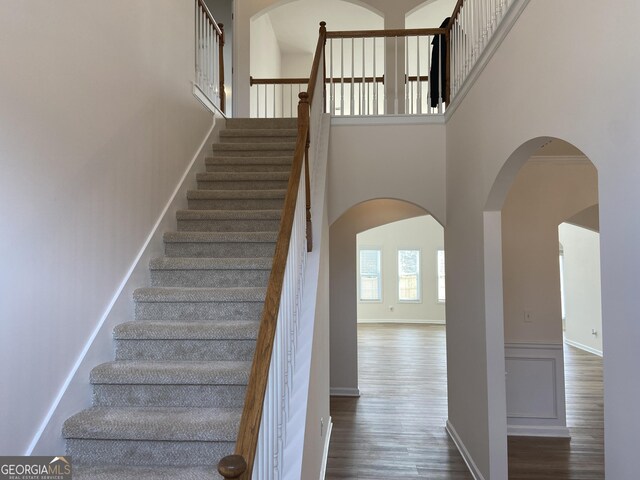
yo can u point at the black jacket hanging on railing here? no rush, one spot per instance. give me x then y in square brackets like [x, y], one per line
[438, 62]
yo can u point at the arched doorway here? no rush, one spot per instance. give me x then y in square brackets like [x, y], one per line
[539, 190]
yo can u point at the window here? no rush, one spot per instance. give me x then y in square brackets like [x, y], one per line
[409, 275]
[441, 288]
[370, 275]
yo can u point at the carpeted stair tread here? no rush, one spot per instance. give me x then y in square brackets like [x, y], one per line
[198, 295]
[122, 472]
[242, 176]
[127, 372]
[187, 330]
[254, 146]
[220, 237]
[235, 194]
[186, 263]
[228, 214]
[154, 423]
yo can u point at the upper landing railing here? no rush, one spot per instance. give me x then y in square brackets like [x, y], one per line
[209, 38]
[386, 72]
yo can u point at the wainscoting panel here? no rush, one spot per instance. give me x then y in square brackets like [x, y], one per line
[535, 390]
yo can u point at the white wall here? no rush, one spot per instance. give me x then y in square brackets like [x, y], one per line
[296, 65]
[546, 191]
[266, 63]
[420, 233]
[582, 287]
[430, 15]
[535, 87]
[97, 125]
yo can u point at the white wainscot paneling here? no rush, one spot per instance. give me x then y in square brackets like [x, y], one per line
[535, 390]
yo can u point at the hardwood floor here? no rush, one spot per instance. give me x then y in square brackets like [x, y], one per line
[396, 428]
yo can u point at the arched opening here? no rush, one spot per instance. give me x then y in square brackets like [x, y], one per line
[283, 42]
[543, 184]
[388, 371]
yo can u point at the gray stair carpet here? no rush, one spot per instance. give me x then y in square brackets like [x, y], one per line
[169, 405]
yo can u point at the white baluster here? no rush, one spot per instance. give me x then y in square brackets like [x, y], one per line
[419, 84]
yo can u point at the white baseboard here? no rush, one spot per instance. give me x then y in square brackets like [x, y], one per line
[538, 431]
[325, 452]
[583, 347]
[471, 465]
[344, 392]
[402, 320]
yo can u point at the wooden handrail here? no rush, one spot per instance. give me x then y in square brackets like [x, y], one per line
[322, 39]
[277, 81]
[454, 15]
[240, 465]
[386, 33]
[210, 17]
[300, 81]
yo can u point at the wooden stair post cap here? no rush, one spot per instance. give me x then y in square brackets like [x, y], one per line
[232, 466]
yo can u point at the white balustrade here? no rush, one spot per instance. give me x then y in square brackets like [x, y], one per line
[268, 463]
[471, 30]
[209, 77]
[275, 98]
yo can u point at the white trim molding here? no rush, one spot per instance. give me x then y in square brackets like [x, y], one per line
[344, 392]
[466, 456]
[535, 390]
[387, 120]
[583, 347]
[325, 451]
[402, 320]
[538, 431]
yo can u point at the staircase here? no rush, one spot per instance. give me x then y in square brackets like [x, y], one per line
[169, 406]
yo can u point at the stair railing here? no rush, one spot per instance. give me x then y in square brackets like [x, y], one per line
[276, 97]
[472, 25]
[209, 76]
[262, 433]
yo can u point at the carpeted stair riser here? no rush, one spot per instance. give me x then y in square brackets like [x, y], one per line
[169, 395]
[219, 250]
[112, 472]
[258, 135]
[228, 220]
[284, 149]
[228, 225]
[210, 278]
[151, 453]
[235, 204]
[198, 311]
[210, 273]
[231, 164]
[239, 123]
[249, 185]
[185, 350]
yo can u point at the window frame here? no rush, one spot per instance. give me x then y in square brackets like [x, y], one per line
[418, 275]
[443, 300]
[380, 298]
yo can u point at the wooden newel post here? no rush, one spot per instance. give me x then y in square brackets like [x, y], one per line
[303, 125]
[232, 466]
[223, 95]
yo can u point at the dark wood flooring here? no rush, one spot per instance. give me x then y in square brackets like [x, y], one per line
[396, 428]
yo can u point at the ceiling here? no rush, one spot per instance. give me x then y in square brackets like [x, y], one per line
[296, 23]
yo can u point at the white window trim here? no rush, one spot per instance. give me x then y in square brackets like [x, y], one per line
[438, 300]
[419, 282]
[381, 275]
